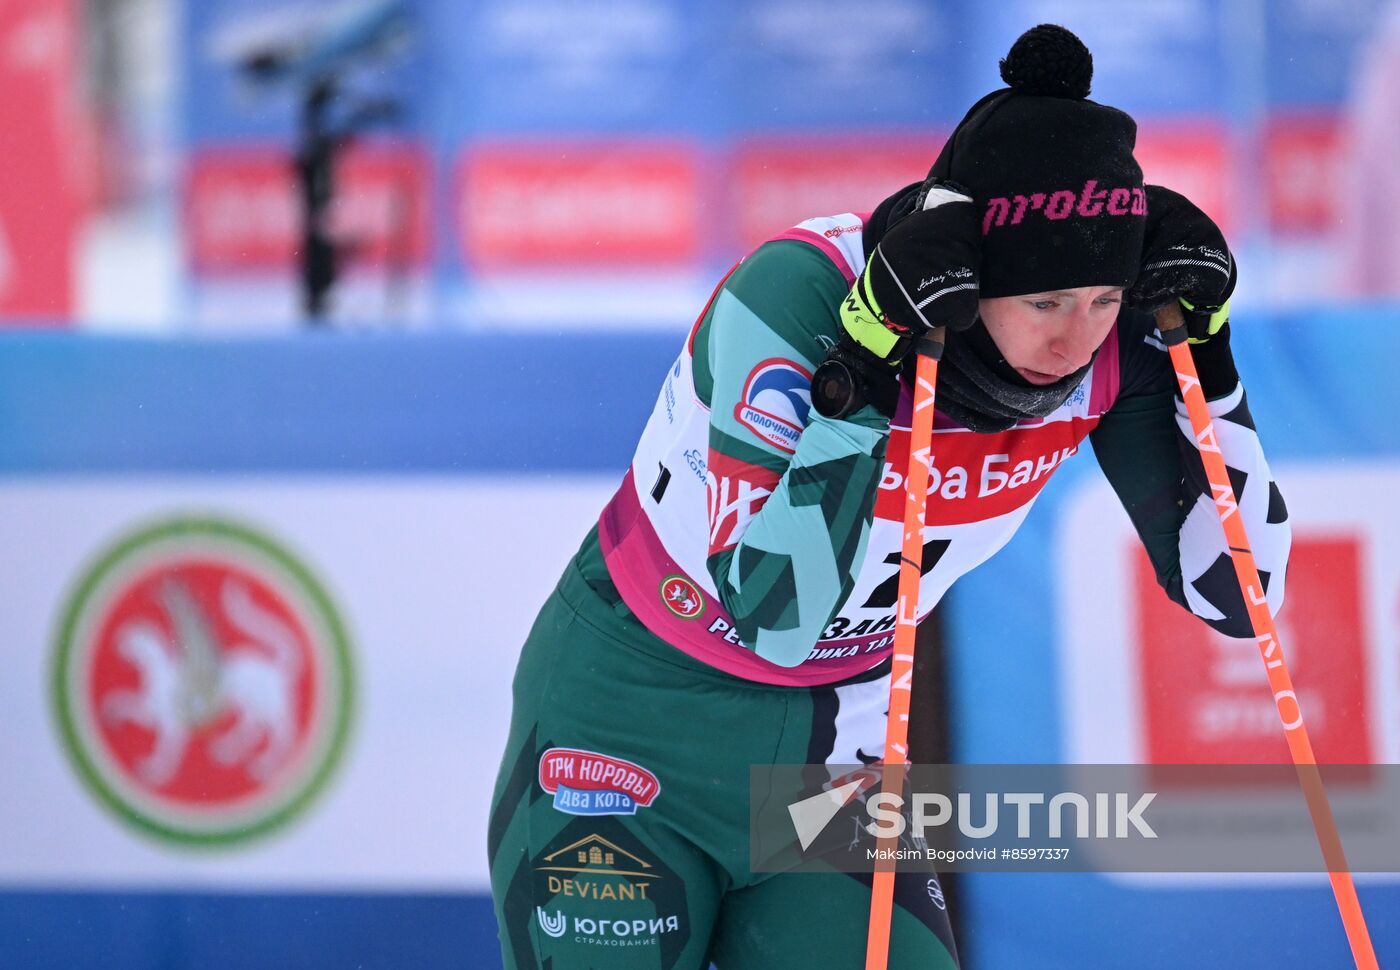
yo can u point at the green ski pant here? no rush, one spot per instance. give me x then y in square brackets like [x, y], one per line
[644, 863]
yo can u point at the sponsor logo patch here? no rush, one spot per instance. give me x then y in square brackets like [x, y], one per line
[589, 783]
[734, 490]
[553, 924]
[682, 597]
[696, 461]
[776, 401]
[978, 477]
[608, 932]
[597, 869]
[609, 890]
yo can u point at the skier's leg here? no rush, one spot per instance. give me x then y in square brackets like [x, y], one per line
[592, 868]
[798, 920]
[579, 893]
[821, 919]
[588, 884]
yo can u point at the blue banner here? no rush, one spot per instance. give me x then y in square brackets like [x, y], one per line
[840, 67]
[1150, 58]
[522, 67]
[246, 64]
[1312, 49]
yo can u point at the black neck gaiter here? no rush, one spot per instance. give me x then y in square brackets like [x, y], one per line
[978, 389]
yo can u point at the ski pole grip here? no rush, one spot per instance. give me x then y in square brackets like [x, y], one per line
[1171, 324]
[930, 344]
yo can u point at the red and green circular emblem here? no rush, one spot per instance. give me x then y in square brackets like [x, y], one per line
[682, 597]
[202, 681]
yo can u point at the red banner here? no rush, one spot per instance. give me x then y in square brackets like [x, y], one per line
[243, 211]
[1204, 698]
[1303, 158]
[40, 141]
[599, 205]
[1190, 158]
[778, 183]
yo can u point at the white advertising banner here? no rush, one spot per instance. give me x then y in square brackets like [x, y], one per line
[1144, 682]
[253, 683]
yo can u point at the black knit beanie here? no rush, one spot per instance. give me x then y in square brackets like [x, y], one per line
[1051, 172]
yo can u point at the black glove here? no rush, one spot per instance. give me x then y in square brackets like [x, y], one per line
[922, 275]
[1184, 257]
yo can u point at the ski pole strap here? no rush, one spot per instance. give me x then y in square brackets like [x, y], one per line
[1171, 324]
[930, 344]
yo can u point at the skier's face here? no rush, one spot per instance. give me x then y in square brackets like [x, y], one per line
[1046, 336]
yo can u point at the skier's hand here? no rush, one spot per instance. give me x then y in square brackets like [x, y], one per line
[1184, 257]
[922, 275]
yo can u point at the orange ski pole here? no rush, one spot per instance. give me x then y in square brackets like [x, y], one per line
[1171, 325]
[929, 350]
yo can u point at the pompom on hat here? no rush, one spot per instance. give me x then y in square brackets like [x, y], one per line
[1057, 189]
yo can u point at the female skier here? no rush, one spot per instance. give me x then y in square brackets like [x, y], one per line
[734, 605]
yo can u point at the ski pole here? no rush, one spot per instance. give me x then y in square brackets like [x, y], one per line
[1173, 330]
[929, 350]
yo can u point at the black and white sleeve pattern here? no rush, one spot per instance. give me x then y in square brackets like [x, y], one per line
[1148, 453]
[1210, 587]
